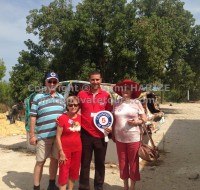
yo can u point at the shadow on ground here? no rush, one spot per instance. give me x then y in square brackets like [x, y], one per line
[23, 181]
[178, 161]
[17, 147]
[171, 111]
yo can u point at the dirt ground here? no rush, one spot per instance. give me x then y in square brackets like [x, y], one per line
[178, 168]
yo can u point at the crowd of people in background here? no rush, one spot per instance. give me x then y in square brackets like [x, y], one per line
[64, 131]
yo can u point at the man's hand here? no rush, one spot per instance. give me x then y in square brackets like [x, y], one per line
[33, 140]
[108, 130]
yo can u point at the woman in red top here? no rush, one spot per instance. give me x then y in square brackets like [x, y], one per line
[69, 144]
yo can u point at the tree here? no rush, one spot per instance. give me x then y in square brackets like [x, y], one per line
[54, 25]
[193, 59]
[5, 93]
[105, 39]
[28, 75]
[144, 40]
[2, 69]
[153, 48]
[88, 39]
[164, 30]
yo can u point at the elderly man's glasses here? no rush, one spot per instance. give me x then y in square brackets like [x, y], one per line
[52, 81]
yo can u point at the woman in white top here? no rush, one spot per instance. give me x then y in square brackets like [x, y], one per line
[128, 114]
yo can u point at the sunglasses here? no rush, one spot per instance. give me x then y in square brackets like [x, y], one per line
[54, 82]
[71, 105]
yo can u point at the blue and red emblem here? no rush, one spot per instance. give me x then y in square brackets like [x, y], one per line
[103, 119]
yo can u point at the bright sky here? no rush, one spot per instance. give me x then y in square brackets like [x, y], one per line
[13, 26]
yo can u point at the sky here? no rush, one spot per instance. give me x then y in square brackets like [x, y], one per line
[13, 26]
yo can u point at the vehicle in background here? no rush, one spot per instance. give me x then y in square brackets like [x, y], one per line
[67, 88]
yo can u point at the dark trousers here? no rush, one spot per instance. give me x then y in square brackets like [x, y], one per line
[92, 144]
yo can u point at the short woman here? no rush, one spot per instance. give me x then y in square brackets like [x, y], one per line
[69, 144]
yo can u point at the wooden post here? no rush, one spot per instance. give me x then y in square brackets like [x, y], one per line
[188, 95]
[162, 96]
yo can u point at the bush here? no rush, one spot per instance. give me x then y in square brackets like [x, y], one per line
[175, 96]
[5, 93]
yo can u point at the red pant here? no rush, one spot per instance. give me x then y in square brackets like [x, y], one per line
[128, 160]
[71, 168]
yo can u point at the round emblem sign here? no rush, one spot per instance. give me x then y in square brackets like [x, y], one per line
[53, 74]
[103, 119]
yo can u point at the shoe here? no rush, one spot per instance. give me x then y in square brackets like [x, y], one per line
[52, 188]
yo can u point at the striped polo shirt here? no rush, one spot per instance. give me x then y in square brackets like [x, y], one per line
[46, 109]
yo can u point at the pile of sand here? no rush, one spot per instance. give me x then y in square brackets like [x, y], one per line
[7, 129]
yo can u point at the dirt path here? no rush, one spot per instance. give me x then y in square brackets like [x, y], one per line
[178, 167]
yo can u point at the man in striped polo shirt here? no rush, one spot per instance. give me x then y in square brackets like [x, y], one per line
[46, 107]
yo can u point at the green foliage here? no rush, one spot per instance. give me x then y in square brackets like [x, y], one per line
[176, 95]
[5, 89]
[5, 93]
[105, 37]
[29, 73]
[55, 26]
[149, 41]
[2, 69]
[193, 59]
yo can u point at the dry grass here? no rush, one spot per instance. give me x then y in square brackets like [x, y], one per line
[7, 129]
[3, 108]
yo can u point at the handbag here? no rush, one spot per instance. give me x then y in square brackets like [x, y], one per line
[146, 152]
